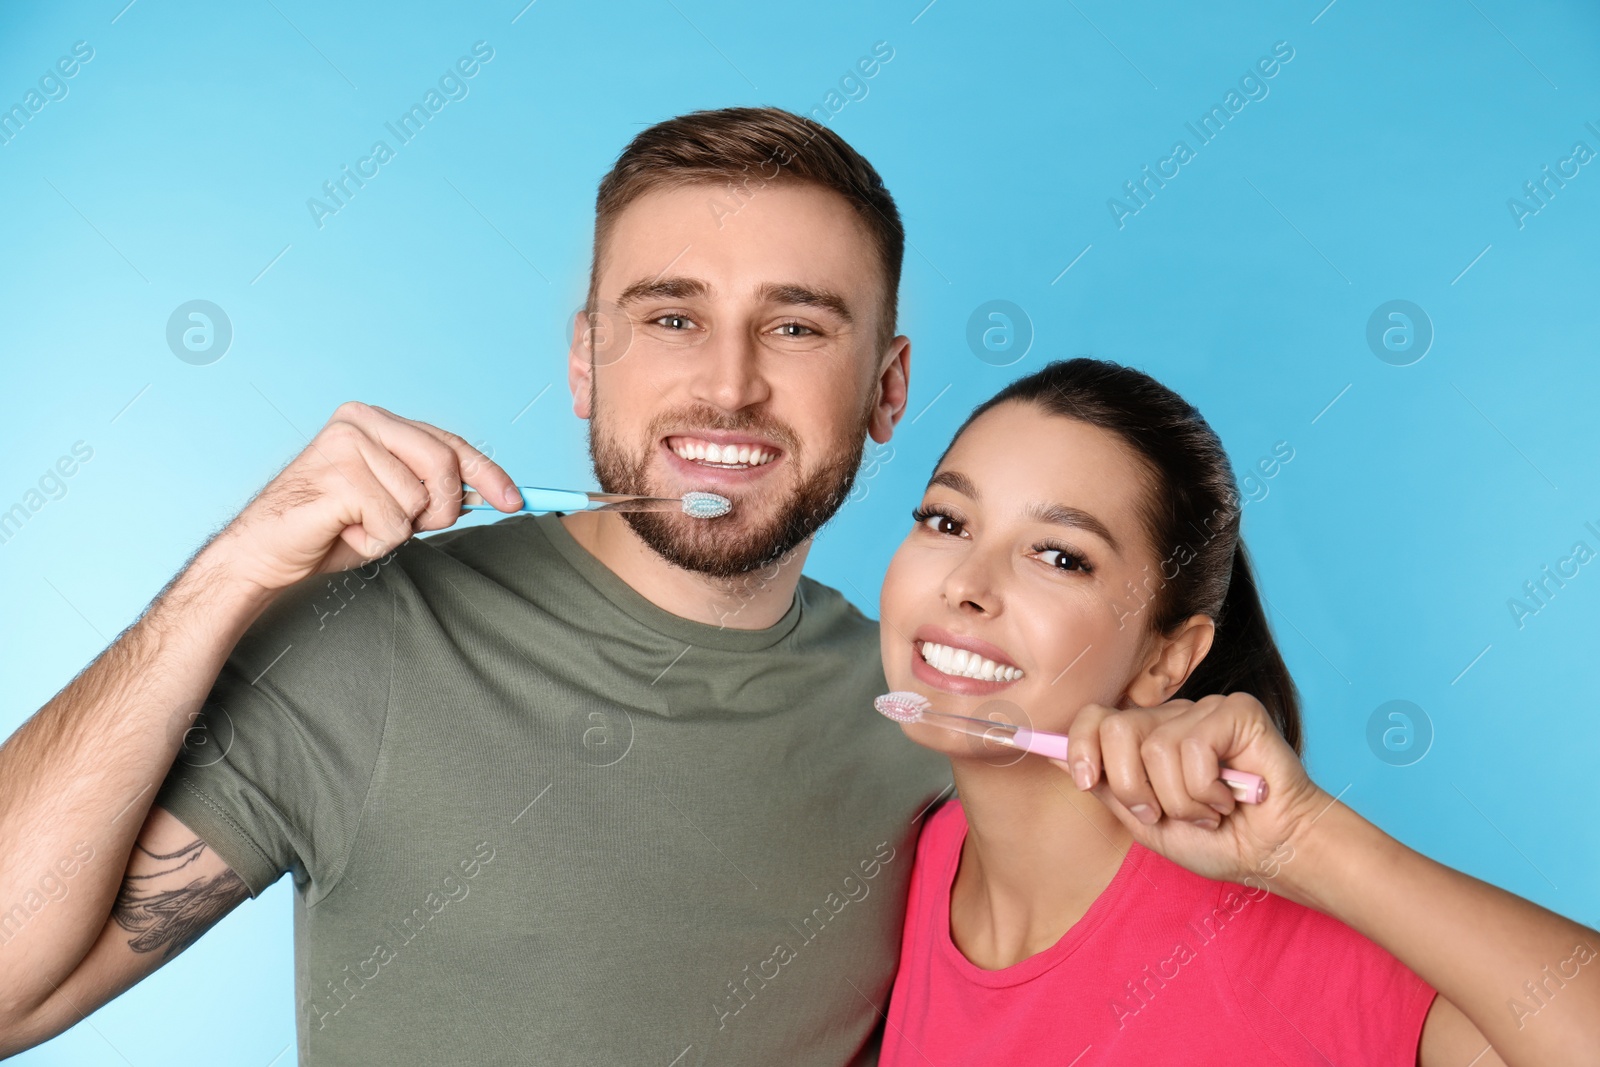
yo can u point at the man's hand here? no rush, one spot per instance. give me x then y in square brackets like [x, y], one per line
[364, 485]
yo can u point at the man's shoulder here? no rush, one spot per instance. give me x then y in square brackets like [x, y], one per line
[511, 536]
[832, 613]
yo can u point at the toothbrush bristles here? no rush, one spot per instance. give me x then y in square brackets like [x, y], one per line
[698, 505]
[901, 706]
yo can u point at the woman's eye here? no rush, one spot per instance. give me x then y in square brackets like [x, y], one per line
[1063, 560]
[942, 524]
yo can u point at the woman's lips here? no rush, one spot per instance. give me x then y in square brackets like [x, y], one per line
[930, 675]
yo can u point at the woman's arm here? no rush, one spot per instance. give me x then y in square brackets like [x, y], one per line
[1509, 973]
[1527, 979]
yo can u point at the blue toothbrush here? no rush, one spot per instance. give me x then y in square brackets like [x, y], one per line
[694, 504]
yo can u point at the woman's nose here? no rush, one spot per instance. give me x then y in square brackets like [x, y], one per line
[970, 586]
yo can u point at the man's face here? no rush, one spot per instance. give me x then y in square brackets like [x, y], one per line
[734, 354]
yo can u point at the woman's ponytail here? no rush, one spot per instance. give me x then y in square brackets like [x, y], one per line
[1244, 658]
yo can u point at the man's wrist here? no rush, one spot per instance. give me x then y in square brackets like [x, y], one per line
[211, 591]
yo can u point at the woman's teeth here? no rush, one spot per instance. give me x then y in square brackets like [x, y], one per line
[732, 457]
[964, 664]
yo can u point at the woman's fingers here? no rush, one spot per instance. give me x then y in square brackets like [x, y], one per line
[1162, 761]
[1121, 752]
[1083, 745]
[1202, 774]
[1166, 753]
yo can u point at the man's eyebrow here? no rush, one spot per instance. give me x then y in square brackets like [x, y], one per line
[679, 288]
[807, 296]
[658, 288]
[1055, 514]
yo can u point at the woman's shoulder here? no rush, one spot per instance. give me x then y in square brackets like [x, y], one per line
[944, 825]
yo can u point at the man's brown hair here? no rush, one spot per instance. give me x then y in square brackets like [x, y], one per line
[746, 149]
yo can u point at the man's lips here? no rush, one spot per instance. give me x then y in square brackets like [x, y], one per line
[720, 459]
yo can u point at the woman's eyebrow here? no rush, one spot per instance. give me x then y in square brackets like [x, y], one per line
[1054, 514]
[1062, 515]
[957, 481]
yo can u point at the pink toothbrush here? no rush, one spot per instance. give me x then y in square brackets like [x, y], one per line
[914, 707]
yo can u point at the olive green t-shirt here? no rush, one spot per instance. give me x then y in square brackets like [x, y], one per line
[533, 818]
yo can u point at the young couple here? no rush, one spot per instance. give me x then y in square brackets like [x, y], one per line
[542, 801]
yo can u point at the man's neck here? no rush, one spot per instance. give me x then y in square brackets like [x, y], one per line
[753, 601]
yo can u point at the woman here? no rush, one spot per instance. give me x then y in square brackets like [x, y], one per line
[1076, 567]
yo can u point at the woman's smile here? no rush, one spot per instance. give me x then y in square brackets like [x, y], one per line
[961, 664]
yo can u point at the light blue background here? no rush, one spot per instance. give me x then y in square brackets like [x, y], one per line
[1379, 167]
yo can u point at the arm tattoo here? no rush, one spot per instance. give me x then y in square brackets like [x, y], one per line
[169, 908]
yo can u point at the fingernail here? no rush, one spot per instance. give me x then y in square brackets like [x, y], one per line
[1218, 808]
[1080, 775]
[513, 497]
[1206, 824]
[1145, 814]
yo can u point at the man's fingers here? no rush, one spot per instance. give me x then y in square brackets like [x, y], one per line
[397, 479]
[477, 470]
[419, 446]
[372, 522]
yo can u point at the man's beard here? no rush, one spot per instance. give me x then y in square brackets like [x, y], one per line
[725, 548]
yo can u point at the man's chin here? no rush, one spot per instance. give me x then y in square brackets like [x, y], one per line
[725, 548]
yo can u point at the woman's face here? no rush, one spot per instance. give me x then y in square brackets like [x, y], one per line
[1023, 591]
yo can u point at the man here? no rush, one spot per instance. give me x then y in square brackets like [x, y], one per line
[571, 789]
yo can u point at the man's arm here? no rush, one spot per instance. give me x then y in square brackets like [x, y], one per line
[174, 890]
[79, 778]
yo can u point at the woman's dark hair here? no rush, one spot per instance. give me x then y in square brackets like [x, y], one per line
[1191, 515]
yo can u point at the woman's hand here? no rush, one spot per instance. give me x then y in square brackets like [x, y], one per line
[1157, 770]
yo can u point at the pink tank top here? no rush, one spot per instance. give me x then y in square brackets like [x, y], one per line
[1166, 967]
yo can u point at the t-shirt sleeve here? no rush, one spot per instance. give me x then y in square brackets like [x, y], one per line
[1307, 981]
[274, 771]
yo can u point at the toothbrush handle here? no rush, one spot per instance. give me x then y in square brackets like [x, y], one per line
[532, 500]
[1247, 788]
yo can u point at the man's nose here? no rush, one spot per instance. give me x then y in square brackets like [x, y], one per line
[728, 370]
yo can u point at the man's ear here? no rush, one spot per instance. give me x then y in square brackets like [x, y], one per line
[1172, 658]
[893, 385]
[580, 364]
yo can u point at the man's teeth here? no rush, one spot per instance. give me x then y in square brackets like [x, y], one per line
[723, 455]
[964, 664]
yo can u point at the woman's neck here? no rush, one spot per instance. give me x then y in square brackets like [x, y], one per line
[1038, 852]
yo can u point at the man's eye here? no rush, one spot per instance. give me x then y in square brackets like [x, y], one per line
[675, 322]
[787, 328]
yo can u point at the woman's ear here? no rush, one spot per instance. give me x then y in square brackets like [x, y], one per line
[1170, 661]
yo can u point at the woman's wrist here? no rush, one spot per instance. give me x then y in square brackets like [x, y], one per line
[1326, 863]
